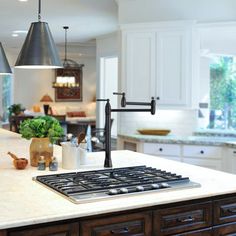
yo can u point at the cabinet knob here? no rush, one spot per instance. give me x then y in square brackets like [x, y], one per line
[202, 152]
[234, 152]
[160, 149]
[158, 98]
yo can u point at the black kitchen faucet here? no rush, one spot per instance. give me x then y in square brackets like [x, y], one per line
[108, 110]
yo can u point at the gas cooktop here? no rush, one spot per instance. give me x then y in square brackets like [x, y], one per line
[88, 186]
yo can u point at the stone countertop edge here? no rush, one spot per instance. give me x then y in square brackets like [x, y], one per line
[24, 202]
[177, 140]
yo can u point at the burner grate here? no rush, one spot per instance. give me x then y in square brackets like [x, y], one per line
[118, 180]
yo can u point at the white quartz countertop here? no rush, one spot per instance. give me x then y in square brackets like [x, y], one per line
[25, 202]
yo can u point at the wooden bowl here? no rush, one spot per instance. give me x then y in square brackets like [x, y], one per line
[20, 163]
[154, 131]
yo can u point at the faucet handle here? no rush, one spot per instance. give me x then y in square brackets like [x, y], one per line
[123, 99]
[102, 100]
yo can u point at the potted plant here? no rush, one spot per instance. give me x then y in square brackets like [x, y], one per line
[15, 109]
[44, 132]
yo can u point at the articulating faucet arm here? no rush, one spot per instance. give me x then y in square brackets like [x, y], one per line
[108, 110]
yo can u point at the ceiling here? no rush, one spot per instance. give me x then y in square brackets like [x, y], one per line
[87, 19]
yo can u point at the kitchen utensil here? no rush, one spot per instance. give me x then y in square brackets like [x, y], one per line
[81, 136]
[154, 131]
[19, 163]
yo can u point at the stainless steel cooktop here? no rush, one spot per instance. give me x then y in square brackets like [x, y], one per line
[102, 184]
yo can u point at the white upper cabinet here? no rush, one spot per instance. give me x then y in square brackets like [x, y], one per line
[156, 61]
[139, 55]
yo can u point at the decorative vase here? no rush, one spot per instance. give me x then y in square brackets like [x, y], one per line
[40, 147]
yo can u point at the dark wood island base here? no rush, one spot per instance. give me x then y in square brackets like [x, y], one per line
[202, 217]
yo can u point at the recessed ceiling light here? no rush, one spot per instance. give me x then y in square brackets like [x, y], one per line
[23, 0]
[15, 35]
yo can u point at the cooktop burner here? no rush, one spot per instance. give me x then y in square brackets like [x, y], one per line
[102, 184]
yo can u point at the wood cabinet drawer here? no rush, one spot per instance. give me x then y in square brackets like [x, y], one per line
[54, 230]
[176, 220]
[202, 151]
[201, 232]
[131, 224]
[162, 149]
[225, 230]
[225, 211]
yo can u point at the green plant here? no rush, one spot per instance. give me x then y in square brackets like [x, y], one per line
[41, 127]
[15, 109]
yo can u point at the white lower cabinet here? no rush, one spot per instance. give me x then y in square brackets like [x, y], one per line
[214, 157]
[230, 160]
[169, 151]
[205, 156]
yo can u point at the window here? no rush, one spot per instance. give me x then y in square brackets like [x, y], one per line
[6, 87]
[223, 93]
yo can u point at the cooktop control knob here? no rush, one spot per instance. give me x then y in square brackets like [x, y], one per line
[139, 188]
[155, 186]
[164, 185]
[112, 192]
[123, 190]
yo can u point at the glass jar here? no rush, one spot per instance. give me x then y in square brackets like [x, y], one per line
[40, 147]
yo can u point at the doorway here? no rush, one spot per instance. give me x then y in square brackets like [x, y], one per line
[108, 85]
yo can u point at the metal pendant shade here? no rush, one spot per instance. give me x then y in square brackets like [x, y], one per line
[4, 65]
[39, 49]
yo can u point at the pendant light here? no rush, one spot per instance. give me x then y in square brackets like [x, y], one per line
[67, 77]
[39, 50]
[4, 65]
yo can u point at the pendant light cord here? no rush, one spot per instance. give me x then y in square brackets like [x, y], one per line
[65, 28]
[39, 11]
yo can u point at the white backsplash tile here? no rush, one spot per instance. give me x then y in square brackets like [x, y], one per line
[180, 122]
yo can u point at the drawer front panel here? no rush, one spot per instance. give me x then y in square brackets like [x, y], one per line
[132, 224]
[201, 151]
[201, 232]
[181, 219]
[162, 149]
[225, 230]
[225, 211]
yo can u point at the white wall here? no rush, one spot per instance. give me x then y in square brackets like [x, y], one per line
[107, 46]
[133, 11]
[31, 85]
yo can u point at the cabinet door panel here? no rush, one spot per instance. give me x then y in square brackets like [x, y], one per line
[55, 230]
[173, 63]
[225, 211]
[140, 70]
[225, 230]
[131, 225]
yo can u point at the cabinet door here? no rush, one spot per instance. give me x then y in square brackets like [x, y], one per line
[54, 230]
[225, 230]
[138, 65]
[131, 225]
[173, 68]
[229, 161]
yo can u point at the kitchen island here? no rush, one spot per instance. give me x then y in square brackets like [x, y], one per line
[28, 208]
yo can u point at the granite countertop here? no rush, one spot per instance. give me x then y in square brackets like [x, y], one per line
[188, 140]
[25, 202]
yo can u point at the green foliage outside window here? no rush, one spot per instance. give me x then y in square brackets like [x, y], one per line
[223, 93]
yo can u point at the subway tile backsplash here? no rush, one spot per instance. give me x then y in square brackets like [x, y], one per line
[180, 122]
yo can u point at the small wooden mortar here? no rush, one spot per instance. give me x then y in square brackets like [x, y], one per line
[19, 163]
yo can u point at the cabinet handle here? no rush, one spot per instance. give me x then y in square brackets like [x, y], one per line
[160, 149]
[232, 210]
[186, 220]
[125, 230]
[202, 152]
[158, 98]
[234, 152]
